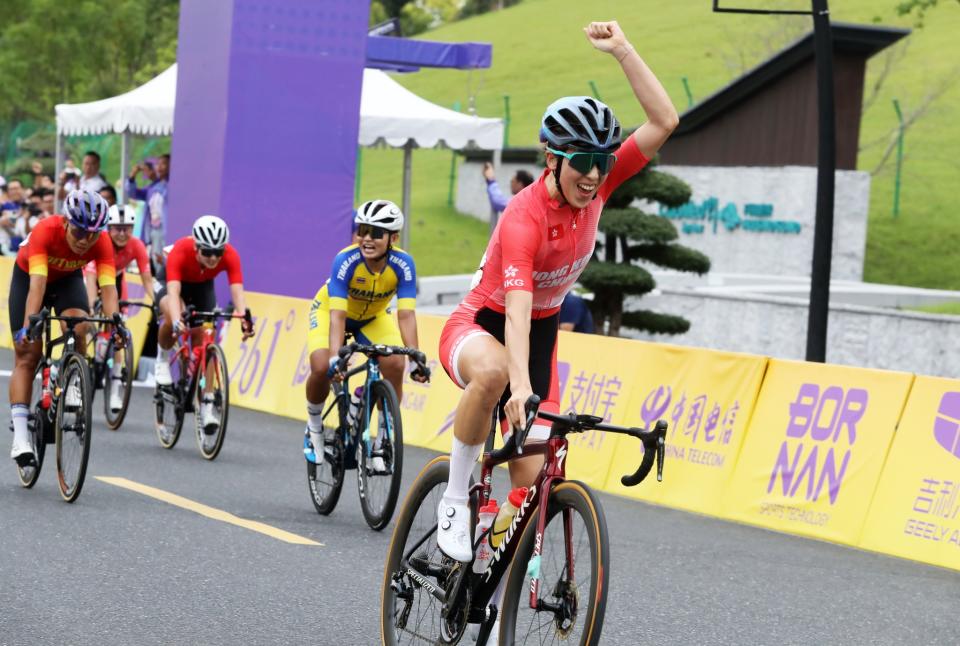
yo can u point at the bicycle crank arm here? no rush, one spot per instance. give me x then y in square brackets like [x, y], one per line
[422, 581]
[487, 626]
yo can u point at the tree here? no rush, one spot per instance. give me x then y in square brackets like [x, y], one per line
[639, 236]
[917, 7]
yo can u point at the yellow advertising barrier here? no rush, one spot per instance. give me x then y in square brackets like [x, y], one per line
[707, 399]
[6, 273]
[816, 444]
[916, 507]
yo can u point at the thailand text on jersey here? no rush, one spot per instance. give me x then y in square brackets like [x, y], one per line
[46, 252]
[542, 247]
[182, 264]
[363, 293]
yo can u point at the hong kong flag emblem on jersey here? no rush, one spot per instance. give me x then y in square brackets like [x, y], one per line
[556, 232]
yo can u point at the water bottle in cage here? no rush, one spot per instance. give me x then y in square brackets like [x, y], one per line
[103, 339]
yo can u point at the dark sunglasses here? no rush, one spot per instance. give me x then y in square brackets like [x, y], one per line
[375, 233]
[83, 234]
[211, 253]
[583, 163]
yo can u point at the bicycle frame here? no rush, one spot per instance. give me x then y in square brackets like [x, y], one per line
[341, 400]
[194, 356]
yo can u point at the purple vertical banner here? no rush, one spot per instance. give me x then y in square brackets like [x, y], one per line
[266, 135]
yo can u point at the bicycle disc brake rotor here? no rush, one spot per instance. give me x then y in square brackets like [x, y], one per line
[567, 597]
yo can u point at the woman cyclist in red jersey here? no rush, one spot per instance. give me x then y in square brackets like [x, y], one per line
[500, 343]
[49, 273]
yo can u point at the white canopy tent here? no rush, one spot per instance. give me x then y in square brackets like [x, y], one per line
[389, 113]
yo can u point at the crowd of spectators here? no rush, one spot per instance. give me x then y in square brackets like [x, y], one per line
[22, 206]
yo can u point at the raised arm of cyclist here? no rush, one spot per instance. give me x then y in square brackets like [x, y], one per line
[500, 343]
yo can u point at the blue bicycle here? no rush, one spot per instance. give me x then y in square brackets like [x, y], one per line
[368, 437]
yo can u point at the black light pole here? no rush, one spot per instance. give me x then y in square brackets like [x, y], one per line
[826, 168]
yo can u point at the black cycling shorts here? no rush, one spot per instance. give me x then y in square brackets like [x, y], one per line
[62, 294]
[202, 296]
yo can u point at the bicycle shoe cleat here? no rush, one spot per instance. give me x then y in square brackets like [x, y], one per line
[453, 529]
[23, 454]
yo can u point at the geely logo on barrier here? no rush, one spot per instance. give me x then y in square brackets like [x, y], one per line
[820, 435]
[946, 426]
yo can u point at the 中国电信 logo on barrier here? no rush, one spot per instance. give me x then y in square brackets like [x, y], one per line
[820, 436]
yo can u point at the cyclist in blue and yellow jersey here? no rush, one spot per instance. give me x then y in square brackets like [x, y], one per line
[363, 280]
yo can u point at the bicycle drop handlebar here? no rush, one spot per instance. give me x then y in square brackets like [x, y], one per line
[379, 350]
[654, 442]
[37, 320]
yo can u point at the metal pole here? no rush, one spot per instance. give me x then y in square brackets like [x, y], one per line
[896, 184]
[506, 120]
[494, 216]
[407, 171]
[826, 167]
[58, 167]
[358, 175]
[686, 88]
[125, 150]
[453, 165]
[596, 92]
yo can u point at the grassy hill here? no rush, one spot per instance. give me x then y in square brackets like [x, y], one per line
[540, 54]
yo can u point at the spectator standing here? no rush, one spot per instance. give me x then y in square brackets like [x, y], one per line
[109, 194]
[575, 315]
[155, 215]
[9, 214]
[498, 201]
[89, 180]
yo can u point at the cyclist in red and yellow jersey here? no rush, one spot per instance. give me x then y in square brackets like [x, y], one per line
[500, 343]
[49, 273]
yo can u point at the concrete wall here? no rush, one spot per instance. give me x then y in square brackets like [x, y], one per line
[731, 208]
[472, 188]
[857, 336]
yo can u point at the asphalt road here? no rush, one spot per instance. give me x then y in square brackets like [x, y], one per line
[121, 567]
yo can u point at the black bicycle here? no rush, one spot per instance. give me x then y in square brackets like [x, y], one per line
[61, 406]
[555, 552]
[112, 368]
[368, 437]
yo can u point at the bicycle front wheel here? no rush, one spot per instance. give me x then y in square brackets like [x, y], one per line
[572, 570]
[212, 403]
[37, 423]
[380, 457]
[169, 402]
[118, 376]
[74, 425]
[325, 481]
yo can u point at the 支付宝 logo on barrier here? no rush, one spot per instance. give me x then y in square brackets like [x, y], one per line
[820, 436]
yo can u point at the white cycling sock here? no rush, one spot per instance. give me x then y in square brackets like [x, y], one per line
[117, 369]
[163, 355]
[315, 417]
[463, 457]
[20, 413]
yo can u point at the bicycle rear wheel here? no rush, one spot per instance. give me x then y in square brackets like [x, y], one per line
[213, 382]
[169, 402]
[409, 613]
[38, 422]
[380, 457]
[573, 570]
[74, 425]
[325, 481]
[124, 379]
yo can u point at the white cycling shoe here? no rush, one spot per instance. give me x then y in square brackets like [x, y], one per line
[209, 418]
[453, 529]
[73, 399]
[116, 399]
[161, 372]
[23, 453]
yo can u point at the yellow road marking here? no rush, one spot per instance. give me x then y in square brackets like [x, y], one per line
[209, 512]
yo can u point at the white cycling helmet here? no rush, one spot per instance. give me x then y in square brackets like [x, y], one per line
[210, 232]
[117, 215]
[380, 213]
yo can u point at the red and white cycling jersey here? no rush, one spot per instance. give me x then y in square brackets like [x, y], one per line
[541, 246]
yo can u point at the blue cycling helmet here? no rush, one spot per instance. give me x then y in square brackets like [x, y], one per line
[87, 210]
[582, 122]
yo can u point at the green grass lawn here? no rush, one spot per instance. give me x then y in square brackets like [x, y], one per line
[540, 54]
[942, 308]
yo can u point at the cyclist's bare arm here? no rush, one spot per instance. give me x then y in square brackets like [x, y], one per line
[38, 286]
[662, 117]
[407, 321]
[173, 304]
[240, 303]
[519, 305]
[108, 296]
[338, 326]
[146, 278]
